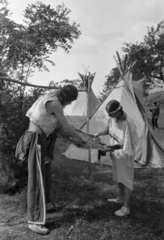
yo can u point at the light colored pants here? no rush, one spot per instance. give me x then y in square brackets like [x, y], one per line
[39, 180]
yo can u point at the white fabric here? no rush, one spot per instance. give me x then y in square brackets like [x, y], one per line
[39, 115]
[79, 107]
[123, 170]
[122, 132]
[123, 93]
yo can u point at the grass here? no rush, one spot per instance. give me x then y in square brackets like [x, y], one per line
[85, 214]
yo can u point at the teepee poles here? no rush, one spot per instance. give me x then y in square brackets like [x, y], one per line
[87, 80]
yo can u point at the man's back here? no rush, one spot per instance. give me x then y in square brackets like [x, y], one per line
[155, 111]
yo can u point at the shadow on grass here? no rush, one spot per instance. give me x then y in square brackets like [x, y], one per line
[144, 219]
[88, 213]
[86, 199]
[85, 206]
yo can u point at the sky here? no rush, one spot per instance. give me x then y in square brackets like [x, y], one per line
[105, 26]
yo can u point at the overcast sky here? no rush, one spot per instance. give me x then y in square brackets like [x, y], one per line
[105, 26]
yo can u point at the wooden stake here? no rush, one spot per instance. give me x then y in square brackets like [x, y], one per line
[88, 112]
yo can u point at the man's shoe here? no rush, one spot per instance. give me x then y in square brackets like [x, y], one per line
[115, 200]
[124, 211]
[50, 207]
[40, 229]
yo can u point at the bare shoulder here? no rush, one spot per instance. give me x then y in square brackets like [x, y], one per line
[53, 106]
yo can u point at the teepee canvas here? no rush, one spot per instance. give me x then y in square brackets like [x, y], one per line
[129, 94]
[79, 107]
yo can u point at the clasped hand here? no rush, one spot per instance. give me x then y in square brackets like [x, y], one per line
[96, 135]
[107, 149]
[85, 140]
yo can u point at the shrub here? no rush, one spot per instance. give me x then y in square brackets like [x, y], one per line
[155, 97]
[13, 123]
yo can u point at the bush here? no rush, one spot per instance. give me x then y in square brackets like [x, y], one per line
[155, 97]
[13, 123]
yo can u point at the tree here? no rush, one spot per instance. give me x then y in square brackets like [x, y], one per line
[29, 46]
[148, 55]
[154, 42]
[24, 48]
[147, 58]
[111, 81]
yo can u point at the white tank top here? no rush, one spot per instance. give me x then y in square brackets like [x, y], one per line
[39, 115]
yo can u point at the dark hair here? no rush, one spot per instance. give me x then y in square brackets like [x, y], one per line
[112, 106]
[68, 93]
[155, 103]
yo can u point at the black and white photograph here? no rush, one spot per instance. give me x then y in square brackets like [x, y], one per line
[82, 119]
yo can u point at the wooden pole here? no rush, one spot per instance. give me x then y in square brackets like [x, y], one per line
[88, 112]
[32, 85]
[26, 84]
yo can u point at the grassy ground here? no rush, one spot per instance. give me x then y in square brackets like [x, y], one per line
[85, 214]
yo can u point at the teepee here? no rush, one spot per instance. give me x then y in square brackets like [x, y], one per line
[129, 94]
[79, 107]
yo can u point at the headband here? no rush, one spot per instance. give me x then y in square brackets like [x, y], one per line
[115, 111]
